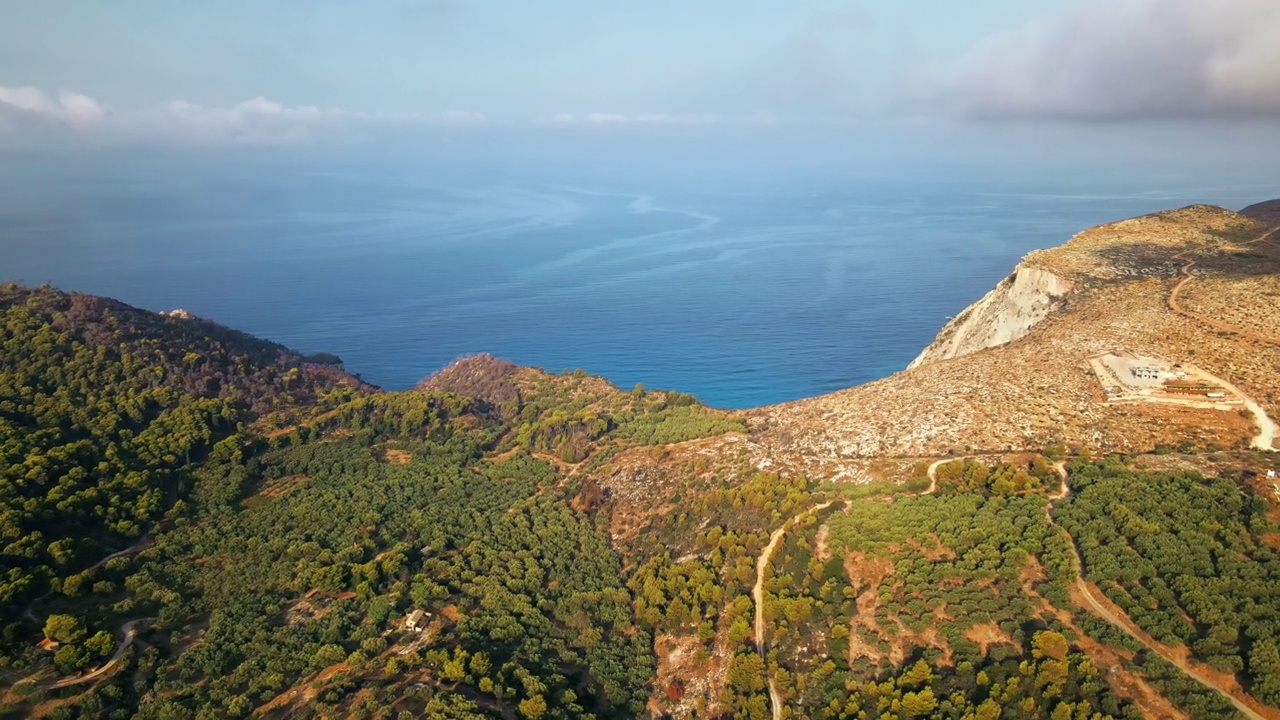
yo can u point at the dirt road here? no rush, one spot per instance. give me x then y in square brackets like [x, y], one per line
[143, 544]
[1265, 440]
[933, 471]
[757, 596]
[1247, 706]
[130, 631]
[1266, 437]
[1175, 302]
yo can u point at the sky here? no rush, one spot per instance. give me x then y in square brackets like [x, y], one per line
[1019, 78]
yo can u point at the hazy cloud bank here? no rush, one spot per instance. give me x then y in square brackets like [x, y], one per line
[662, 119]
[28, 105]
[29, 116]
[1114, 60]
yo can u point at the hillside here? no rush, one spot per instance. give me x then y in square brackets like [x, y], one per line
[1014, 370]
[200, 523]
[1267, 212]
[105, 411]
[1060, 510]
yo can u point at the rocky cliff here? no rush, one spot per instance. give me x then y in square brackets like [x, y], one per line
[1003, 315]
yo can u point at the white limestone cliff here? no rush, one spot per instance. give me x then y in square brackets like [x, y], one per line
[1003, 315]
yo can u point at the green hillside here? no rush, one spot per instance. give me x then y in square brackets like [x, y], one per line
[200, 524]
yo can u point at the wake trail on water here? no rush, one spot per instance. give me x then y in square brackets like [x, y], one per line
[639, 205]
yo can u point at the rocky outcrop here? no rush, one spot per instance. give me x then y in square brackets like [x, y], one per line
[483, 377]
[1003, 315]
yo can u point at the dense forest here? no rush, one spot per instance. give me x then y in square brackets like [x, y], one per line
[104, 410]
[216, 519]
[938, 606]
[1191, 559]
[200, 524]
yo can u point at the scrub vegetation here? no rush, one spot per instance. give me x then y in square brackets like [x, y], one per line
[198, 524]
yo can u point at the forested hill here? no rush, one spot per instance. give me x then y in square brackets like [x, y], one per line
[104, 408]
[195, 523]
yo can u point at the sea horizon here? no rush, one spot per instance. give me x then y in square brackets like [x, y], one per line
[741, 294]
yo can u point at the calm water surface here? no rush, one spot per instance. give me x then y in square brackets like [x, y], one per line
[743, 295]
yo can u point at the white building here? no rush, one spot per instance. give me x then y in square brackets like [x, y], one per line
[417, 621]
[1146, 372]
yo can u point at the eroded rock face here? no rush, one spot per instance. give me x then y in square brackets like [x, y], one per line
[1003, 315]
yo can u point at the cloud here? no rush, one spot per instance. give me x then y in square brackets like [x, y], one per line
[458, 117]
[266, 122]
[254, 122]
[604, 119]
[30, 116]
[33, 106]
[1115, 60]
[607, 119]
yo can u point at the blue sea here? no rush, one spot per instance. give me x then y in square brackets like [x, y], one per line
[744, 292]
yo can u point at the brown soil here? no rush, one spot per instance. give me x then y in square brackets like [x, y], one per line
[302, 611]
[302, 693]
[283, 485]
[821, 543]
[1112, 662]
[506, 455]
[1248, 328]
[281, 432]
[872, 572]
[1179, 656]
[694, 681]
[908, 639]
[861, 648]
[392, 456]
[987, 635]
[1232, 302]
[935, 553]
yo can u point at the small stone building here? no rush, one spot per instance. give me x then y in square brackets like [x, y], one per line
[417, 621]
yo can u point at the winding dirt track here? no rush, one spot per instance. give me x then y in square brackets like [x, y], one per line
[1266, 437]
[1267, 429]
[1244, 703]
[933, 471]
[1248, 706]
[757, 596]
[1175, 302]
[130, 630]
[142, 544]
